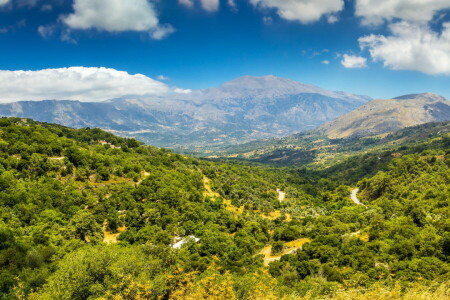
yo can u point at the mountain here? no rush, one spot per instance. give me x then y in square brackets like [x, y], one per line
[378, 124]
[262, 88]
[244, 109]
[383, 116]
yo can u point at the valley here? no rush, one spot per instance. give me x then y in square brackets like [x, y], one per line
[99, 215]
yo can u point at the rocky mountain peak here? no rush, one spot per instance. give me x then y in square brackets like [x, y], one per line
[269, 86]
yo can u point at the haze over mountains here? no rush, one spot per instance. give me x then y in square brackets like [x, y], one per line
[245, 109]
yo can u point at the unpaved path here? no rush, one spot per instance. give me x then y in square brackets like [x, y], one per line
[56, 158]
[289, 248]
[355, 197]
[145, 175]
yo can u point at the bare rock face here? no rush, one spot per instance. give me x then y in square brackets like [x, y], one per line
[383, 116]
[244, 109]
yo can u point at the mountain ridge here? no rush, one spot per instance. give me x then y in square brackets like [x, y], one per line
[279, 86]
[426, 95]
[245, 109]
[387, 115]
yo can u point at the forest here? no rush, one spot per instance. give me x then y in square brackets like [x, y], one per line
[85, 214]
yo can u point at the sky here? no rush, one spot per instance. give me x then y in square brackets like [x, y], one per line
[93, 50]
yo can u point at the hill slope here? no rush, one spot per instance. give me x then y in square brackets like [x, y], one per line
[376, 124]
[383, 116]
[315, 150]
[88, 215]
[245, 109]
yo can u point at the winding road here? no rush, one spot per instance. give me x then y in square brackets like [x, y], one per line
[355, 197]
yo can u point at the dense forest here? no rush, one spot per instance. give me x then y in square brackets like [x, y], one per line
[88, 215]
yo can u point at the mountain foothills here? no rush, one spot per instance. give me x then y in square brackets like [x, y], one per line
[378, 124]
[85, 214]
[385, 116]
[245, 109]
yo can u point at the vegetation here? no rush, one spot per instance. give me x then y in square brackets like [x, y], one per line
[88, 215]
[317, 151]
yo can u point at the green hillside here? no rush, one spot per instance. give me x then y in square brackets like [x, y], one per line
[88, 215]
[318, 151]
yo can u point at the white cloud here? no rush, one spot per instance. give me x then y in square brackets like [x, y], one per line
[354, 62]
[332, 19]
[304, 11]
[375, 12]
[116, 16]
[162, 31]
[210, 5]
[75, 83]
[182, 91]
[3, 2]
[188, 3]
[112, 15]
[46, 31]
[411, 47]
[325, 62]
[232, 4]
[162, 78]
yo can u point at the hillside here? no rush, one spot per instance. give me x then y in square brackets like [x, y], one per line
[88, 215]
[317, 151]
[245, 109]
[375, 125]
[384, 116]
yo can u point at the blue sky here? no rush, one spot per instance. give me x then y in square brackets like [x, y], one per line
[353, 46]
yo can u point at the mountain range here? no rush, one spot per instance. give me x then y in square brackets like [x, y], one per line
[242, 110]
[384, 116]
[381, 123]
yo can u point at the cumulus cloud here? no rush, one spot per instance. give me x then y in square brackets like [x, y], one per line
[75, 83]
[332, 19]
[116, 16]
[210, 5]
[182, 91]
[162, 31]
[304, 11]
[411, 43]
[354, 62]
[188, 3]
[375, 12]
[325, 62]
[411, 47]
